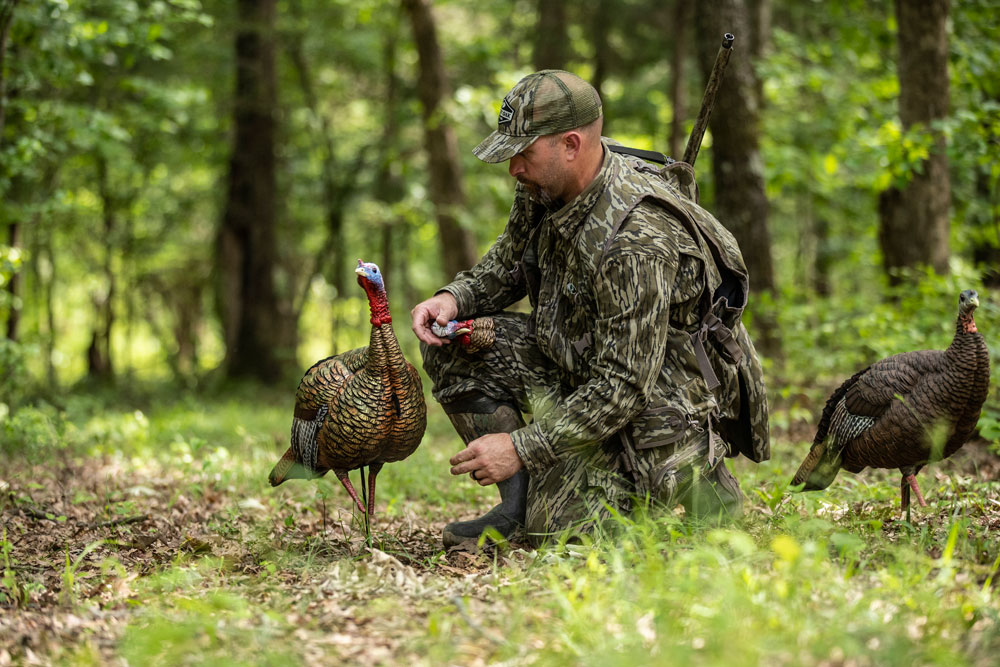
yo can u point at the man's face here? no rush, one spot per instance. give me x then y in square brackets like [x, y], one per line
[541, 167]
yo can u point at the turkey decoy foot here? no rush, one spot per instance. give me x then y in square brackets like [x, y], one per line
[342, 476]
[910, 482]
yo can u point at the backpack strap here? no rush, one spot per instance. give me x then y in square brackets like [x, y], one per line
[652, 156]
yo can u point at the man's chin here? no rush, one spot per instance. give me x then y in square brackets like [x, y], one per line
[531, 187]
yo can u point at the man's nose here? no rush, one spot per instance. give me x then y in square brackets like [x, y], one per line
[516, 166]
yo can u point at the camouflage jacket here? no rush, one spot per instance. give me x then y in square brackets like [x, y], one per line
[618, 332]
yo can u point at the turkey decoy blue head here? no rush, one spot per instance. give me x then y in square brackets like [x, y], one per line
[368, 272]
[453, 329]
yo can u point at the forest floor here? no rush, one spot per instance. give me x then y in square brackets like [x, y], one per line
[150, 536]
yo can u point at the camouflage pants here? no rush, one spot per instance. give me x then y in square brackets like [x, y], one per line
[582, 489]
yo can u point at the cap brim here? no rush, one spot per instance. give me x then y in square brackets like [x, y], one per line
[501, 147]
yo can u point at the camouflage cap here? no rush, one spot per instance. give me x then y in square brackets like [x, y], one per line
[542, 103]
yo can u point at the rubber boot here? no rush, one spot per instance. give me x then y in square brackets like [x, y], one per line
[472, 418]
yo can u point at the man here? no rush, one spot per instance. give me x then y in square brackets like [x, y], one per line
[605, 362]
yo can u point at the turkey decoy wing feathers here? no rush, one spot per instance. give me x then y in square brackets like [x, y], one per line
[327, 378]
[882, 384]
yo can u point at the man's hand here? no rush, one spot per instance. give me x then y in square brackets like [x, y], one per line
[492, 458]
[441, 308]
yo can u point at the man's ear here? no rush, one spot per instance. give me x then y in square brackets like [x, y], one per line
[572, 143]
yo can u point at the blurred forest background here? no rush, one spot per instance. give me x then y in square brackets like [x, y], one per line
[187, 184]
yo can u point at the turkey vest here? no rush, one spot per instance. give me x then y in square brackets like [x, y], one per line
[723, 299]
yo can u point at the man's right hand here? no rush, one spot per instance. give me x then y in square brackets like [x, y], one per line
[440, 308]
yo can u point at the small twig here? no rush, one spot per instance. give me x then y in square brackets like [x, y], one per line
[111, 522]
[36, 514]
[121, 521]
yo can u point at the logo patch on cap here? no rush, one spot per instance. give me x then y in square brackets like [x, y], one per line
[506, 113]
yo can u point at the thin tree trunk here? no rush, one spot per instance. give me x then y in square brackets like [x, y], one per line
[13, 287]
[822, 282]
[259, 338]
[388, 188]
[336, 192]
[986, 242]
[13, 229]
[50, 314]
[188, 311]
[600, 22]
[679, 33]
[458, 245]
[6, 18]
[551, 38]
[99, 352]
[737, 166]
[740, 201]
[914, 218]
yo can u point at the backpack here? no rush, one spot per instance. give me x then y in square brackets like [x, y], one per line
[722, 302]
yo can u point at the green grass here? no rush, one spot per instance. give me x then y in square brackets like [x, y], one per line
[248, 574]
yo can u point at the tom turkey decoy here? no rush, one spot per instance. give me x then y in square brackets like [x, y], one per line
[904, 411]
[360, 408]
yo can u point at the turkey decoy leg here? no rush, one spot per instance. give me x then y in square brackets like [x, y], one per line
[373, 470]
[368, 530]
[346, 481]
[909, 481]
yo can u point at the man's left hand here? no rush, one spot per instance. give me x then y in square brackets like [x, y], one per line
[492, 458]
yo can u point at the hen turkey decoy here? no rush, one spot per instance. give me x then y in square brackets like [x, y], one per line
[360, 408]
[904, 411]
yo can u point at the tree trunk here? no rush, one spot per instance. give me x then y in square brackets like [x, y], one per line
[187, 310]
[551, 38]
[984, 219]
[914, 219]
[389, 187]
[6, 18]
[458, 245]
[825, 257]
[600, 22]
[50, 315]
[13, 230]
[336, 191]
[99, 352]
[679, 32]
[257, 341]
[13, 287]
[738, 169]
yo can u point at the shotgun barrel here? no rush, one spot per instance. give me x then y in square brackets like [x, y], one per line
[708, 101]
